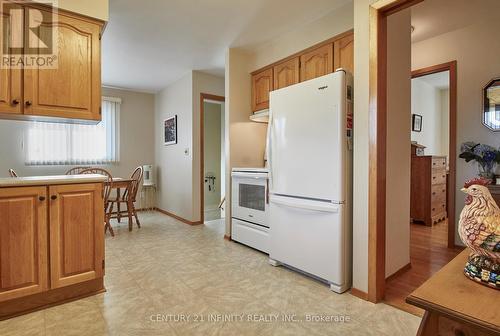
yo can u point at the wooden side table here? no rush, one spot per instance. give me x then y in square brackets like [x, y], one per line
[455, 305]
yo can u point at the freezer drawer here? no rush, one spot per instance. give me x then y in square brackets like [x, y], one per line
[250, 234]
[312, 237]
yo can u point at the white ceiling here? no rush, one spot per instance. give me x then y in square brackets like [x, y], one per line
[440, 80]
[435, 17]
[149, 44]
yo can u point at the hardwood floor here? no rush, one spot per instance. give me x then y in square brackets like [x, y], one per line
[428, 254]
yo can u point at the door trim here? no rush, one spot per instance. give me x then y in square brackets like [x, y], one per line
[452, 134]
[203, 97]
[378, 13]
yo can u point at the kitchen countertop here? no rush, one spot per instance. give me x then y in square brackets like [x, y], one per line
[50, 180]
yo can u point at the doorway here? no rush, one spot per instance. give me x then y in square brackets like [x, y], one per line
[212, 172]
[432, 224]
[378, 200]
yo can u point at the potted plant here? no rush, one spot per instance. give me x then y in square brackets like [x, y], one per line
[486, 156]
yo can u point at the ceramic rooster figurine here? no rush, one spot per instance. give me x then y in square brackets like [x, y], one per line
[479, 229]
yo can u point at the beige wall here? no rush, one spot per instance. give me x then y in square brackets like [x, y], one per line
[98, 9]
[361, 140]
[476, 49]
[136, 138]
[174, 166]
[246, 144]
[333, 23]
[179, 165]
[397, 252]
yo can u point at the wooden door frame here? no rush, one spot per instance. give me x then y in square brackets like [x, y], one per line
[203, 97]
[378, 13]
[452, 133]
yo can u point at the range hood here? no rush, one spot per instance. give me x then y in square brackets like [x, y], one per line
[260, 116]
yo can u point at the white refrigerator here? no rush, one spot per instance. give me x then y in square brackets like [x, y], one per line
[310, 163]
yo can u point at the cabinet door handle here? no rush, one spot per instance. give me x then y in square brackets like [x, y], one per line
[15, 102]
[41, 198]
[53, 197]
[28, 103]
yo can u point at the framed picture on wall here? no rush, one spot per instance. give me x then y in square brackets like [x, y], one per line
[170, 126]
[416, 123]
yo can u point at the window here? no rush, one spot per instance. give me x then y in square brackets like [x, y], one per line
[74, 144]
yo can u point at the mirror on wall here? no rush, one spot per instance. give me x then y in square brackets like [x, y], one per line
[491, 105]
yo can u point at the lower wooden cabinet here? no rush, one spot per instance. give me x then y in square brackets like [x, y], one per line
[76, 234]
[50, 230]
[23, 242]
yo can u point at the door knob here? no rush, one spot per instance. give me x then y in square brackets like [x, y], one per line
[28, 103]
[53, 197]
[15, 102]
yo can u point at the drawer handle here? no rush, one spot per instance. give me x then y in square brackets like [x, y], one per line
[53, 197]
[434, 177]
[433, 209]
[434, 193]
[41, 198]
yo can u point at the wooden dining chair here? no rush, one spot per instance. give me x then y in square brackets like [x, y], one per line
[77, 170]
[129, 198]
[108, 186]
[13, 173]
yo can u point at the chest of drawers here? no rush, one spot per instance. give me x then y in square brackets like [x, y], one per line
[428, 189]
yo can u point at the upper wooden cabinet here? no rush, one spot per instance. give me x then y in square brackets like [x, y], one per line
[286, 73]
[322, 59]
[76, 233]
[23, 242]
[316, 63]
[10, 78]
[343, 50]
[262, 84]
[71, 89]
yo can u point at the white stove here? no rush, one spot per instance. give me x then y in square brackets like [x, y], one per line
[250, 203]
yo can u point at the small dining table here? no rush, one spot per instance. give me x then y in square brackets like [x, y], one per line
[118, 184]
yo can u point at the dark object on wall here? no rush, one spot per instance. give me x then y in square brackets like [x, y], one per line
[170, 127]
[416, 123]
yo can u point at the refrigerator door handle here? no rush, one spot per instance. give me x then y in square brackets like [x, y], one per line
[269, 150]
[306, 205]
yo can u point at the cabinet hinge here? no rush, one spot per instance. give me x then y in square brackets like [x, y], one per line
[100, 110]
[103, 264]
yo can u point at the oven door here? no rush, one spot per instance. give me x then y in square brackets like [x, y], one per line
[250, 197]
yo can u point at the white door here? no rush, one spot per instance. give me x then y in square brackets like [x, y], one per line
[310, 236]
[307, 139]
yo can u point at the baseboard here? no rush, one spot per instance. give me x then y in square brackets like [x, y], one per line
[185, 221]
[359, 293]
[226, 237]
[50, 298]
[398, 272]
